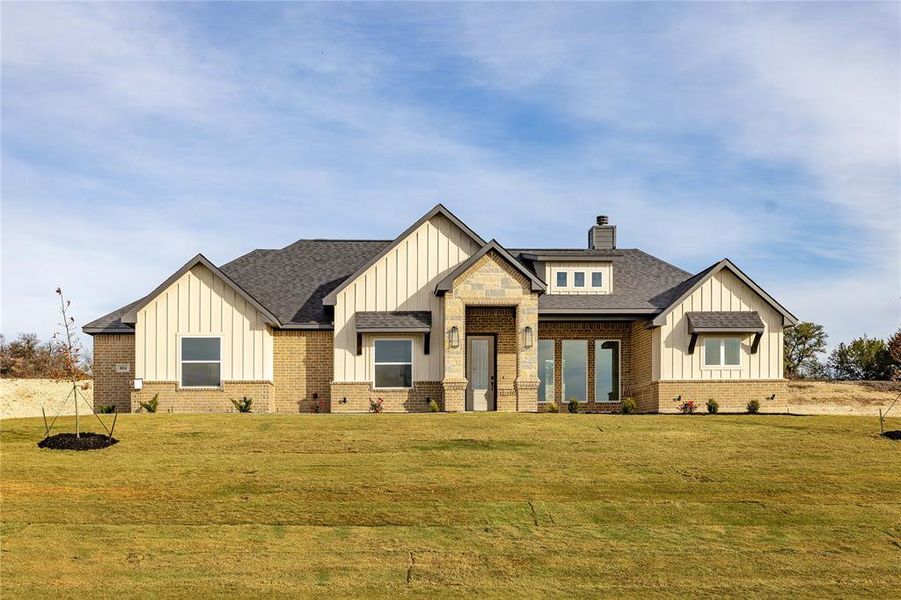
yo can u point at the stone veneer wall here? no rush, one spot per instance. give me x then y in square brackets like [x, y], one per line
[591, 331]
[490, 281]
[111, 388]
[302, 370]
[173, 399]
[501, 322]
[355, 397]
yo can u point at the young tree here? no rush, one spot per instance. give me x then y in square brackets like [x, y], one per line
[803, 343]
[863, 358]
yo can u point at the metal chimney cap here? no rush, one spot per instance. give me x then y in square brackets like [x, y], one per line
[602, 219]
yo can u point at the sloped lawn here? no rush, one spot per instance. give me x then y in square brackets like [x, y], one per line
[455, 505]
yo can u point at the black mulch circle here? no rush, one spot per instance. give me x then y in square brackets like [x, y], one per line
[893, 435]
[68, 441]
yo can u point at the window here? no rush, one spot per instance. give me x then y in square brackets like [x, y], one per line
[393, 363]
[546, 370]
[606, 371]
[722, 352]
[597, 279]
[579, 279]
[561, 278]
[201, 361]
[575, 370]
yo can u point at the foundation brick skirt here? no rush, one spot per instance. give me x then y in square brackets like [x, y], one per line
[355, 397]
[205, 400]
[732, 395]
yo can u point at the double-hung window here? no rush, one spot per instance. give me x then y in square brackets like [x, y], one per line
[201, 361]
[722, 352]
[393, 363]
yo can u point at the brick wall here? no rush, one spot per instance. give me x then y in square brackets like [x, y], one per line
[733, 395]
[173, 399]
[302, 370]
[354, 397]
[641, 384]
[110, 387]
[591, 331]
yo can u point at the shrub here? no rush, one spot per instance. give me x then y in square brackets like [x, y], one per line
[688, 407]
[151, 405]
[375, 406]
[105, 409]
[433, 406]
[753, 407]
[553, 408]
[572, 406]
[243, 405]
[713, 406]
[628, 407]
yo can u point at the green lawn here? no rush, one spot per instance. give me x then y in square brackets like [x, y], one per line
[455, 505]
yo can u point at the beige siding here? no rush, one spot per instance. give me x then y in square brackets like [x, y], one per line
[549, 272]
[403, 279]
[199, 303]
[722, 292]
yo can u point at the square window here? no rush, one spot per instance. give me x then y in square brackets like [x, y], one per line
[579, 279]
[561, 278]
[393, 363]
[722, 352]
[200, 361]
[597, 279]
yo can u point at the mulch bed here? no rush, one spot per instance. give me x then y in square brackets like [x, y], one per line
[68, 441]
[893, 435]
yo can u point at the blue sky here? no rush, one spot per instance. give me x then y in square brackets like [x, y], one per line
[136, 135]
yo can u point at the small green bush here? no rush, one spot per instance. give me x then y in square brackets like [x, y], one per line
[105, 409]
[753, 407]
[243, 405]
[713, 406]
[553, 408]
[433, 406]
[151, 405]
[572, 406]
[628, 407]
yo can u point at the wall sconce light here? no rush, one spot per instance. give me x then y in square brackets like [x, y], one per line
[527, 337]
[453, 337]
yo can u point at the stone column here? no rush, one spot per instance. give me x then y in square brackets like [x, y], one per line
[454, 358]
[527, 381]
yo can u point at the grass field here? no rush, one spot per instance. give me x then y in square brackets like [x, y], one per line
[494, 505]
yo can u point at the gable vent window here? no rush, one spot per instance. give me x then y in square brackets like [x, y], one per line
[201, 361]
[597, 279]
[561, 278]
[579, 279]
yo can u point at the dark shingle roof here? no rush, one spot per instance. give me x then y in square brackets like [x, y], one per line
[112, 322]
[641, 283]
[398, 320]
[292, 282]
[724, 321]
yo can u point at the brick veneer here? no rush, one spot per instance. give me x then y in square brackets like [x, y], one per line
[499, 321]
[642, 388]
[173, 399]
[733, 395]
[590, 331]
[302, 370]
[112, 388]
[354, 397]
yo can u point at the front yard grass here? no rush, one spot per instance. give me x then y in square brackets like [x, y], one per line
[492, 505]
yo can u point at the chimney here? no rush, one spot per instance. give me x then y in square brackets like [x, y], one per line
[602, 236]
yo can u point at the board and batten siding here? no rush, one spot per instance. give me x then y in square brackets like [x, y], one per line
[200, 303]
[722, 292]
[549, 271]
[403, 279]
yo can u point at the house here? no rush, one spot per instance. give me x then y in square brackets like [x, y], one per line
[440, 314]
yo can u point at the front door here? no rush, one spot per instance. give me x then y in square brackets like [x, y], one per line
[480, 373]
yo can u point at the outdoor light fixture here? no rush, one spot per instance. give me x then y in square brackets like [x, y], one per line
[453, 337]
[527, 337]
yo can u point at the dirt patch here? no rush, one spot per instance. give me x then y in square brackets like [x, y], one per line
[25, 397]
[893, 435]
[69, 441]
[840, 397]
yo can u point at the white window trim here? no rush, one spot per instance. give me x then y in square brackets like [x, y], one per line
[619, 371]
[588, 288]
[584, 282]
[557, 274]
[181, 362]
[597, 287]
[564, 399]
[411, 363]
[722, 364]
[554, 382]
